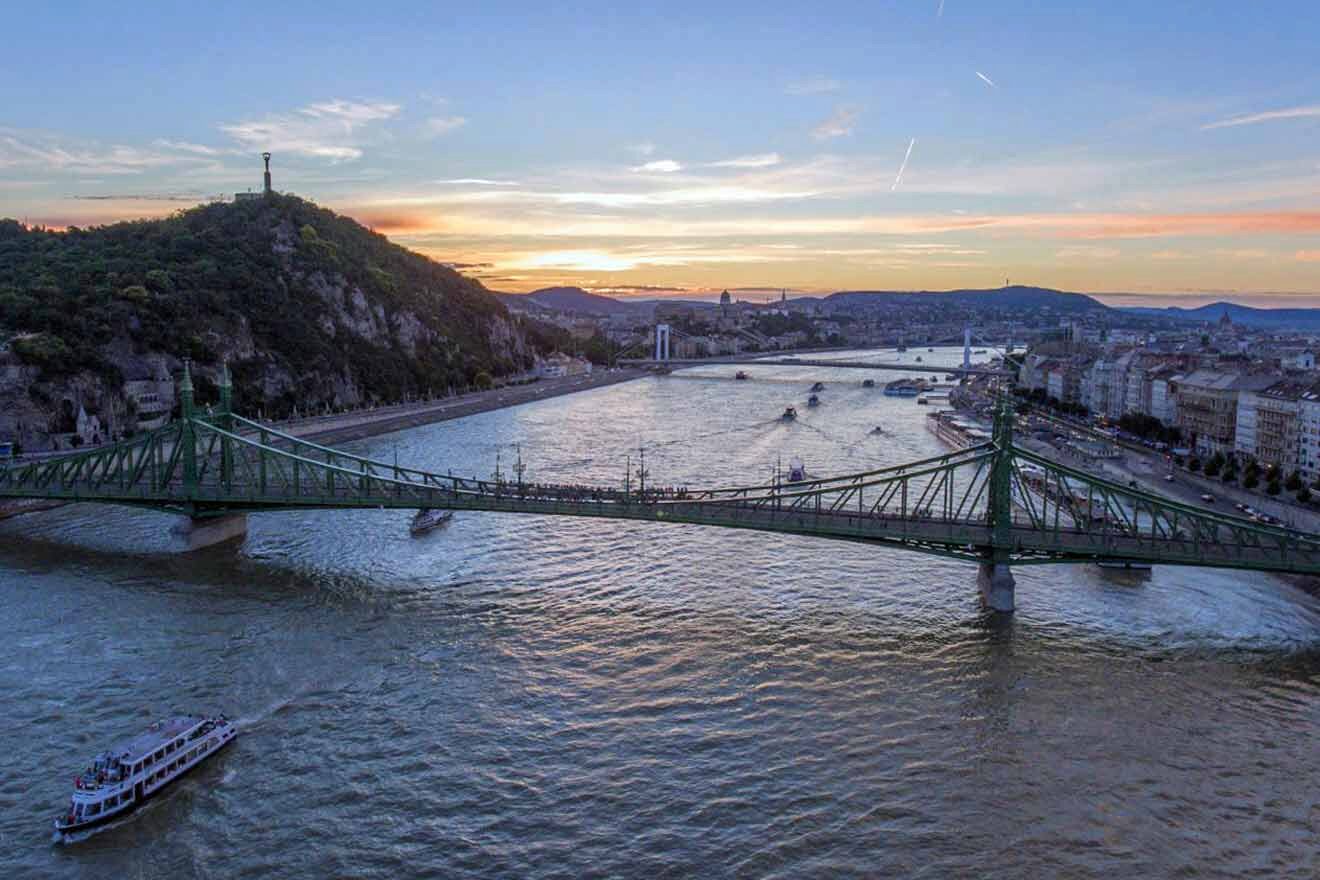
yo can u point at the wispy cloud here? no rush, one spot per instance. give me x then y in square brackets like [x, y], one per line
[325, 130]
[645, 148]
[813, 85]
[1268, 116]
[760, 160]
[441, 125]
[840, 123]
[660, 166]
[987, 80]
[1307, 256]
[20, 149]
[477, 181]
[1087, 252]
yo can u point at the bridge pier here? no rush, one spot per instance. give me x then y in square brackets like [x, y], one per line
[199, 532]
[997, 586]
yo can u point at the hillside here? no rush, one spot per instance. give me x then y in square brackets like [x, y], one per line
[574, 299]
[1301, 319]
[309, 308]
[1012, 298]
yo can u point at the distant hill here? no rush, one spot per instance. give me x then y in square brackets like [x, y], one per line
[1015, 297]
[308, 307]
[573, 299]
[1308, 319]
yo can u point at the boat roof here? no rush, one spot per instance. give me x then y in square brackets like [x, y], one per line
[155, 736]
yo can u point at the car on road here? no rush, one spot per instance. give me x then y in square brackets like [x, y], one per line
[1208, 498]
[1132, 484]
[1168, 478]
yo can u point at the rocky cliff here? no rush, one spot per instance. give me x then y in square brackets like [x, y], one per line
[309, 308]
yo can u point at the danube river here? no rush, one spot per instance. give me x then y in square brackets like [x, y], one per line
[536, 697]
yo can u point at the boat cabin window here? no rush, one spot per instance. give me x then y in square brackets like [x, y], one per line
[93, 809]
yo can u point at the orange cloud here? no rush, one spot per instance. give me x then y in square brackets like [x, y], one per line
[1307, 256]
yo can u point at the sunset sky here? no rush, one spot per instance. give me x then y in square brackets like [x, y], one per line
[1118, 147]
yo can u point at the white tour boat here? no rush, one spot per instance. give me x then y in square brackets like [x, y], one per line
[429, 518]
[122, 777]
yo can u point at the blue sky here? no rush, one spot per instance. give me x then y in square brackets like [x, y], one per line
[1117, 147]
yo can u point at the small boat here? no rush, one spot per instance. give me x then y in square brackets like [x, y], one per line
[877, 430]
[813, 400]
[868, 383]
[922, 400]
[918, 358]
[122, 777]
[741, 375]
[904, 388]
[930, 349]
[819, 386]
[429, 518]
[951, 377]
[979, 351]
[797, 473]
[789, 414]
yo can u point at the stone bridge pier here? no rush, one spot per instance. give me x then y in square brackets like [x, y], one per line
[997, 586]
[197, 532]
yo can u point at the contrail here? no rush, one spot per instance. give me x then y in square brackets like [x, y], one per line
[903, 167]
[988, 81]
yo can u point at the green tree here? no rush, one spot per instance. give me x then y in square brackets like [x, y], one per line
[1194, 465]
[1294, 482]
[1251, 479]
[483, 381]
[1304, 495]
[1273, 488]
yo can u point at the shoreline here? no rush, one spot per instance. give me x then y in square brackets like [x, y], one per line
[346, 427]
[359, 426]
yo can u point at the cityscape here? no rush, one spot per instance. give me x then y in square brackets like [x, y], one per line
[538, 442]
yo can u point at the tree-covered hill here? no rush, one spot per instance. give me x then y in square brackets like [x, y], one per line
[306, 305]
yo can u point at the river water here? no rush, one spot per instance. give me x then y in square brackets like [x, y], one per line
[549, 697]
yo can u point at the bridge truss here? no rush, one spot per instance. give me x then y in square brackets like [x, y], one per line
[993, 503]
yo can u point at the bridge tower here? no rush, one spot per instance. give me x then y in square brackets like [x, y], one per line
[662, 342]
[267, 190]
[967, 347]
[995, 577]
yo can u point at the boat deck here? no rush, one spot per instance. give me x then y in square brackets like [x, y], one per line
[154, 737]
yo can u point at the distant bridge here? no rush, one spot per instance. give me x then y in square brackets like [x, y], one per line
[993, 503]
[760, 360]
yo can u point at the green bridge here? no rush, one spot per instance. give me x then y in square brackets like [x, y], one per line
[994, 504]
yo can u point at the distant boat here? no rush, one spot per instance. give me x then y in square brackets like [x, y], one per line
[918, 358]
[979, 351]
[951, 377]
[797, 473]
[741, 374]
[930, 349]
[1126, 565]
[922, 400]
[904, 388]
[813, 400]
[429, 518]
[868, 383]
[790, 414]
[819, 386]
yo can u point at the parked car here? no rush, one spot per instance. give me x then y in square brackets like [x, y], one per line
[1208, 498]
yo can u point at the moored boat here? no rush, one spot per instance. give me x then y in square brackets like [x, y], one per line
[868, 383]
[429, 518]
[905, 388]
[125, 775]
[741, 375]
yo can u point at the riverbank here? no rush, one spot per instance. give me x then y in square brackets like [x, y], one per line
[345, 427]
[372, 423]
